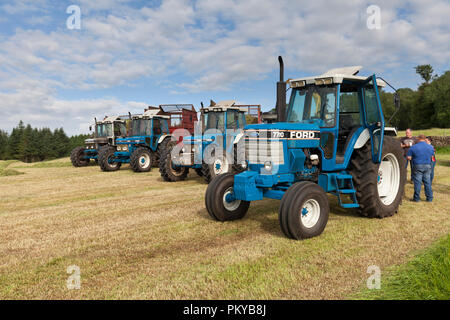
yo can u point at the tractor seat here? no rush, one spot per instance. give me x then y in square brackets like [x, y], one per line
[342, 145]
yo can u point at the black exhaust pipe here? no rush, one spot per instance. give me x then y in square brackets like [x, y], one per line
[281, 94]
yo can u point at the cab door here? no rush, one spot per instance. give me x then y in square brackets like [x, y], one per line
[373, 117]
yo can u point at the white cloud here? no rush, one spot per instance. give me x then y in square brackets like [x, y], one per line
[212, 46]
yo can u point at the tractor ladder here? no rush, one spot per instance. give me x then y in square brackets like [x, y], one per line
[344, 186]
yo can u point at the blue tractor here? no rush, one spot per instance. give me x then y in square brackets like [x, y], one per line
[105, 134]
[141, 147]
[212, 150]
[331, 139]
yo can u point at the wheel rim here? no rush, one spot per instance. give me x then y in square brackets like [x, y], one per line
[220, 166]
[144, 161]
[388, 180]
[176, 171]
[229, 202]
[310, 213]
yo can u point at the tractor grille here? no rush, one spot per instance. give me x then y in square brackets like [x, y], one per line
[259, 151]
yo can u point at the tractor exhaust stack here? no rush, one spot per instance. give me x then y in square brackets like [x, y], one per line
[281, 94]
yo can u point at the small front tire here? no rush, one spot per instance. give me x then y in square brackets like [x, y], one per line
[141, 160]
[304, 211]
[220, 201]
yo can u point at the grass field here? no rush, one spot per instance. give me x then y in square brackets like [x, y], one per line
[136, 237]
[428, 132]
[427, 276]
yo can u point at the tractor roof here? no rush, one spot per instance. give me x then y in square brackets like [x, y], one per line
[223, 106]
[151, 113]
[112, 119]
[337, 75]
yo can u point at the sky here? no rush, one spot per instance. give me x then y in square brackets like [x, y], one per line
[129, 54]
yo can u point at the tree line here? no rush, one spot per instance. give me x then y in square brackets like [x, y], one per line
[426, 107]
[29, 144]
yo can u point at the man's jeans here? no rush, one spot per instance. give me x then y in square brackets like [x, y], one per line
[422, 173]
[411, 167]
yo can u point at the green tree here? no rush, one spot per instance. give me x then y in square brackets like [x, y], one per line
[3, 145]
[425, 71]
[15, 141]
[437, 96]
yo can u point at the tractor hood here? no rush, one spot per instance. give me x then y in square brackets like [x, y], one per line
[102, 140]
[285, 131]
[292, 135]
[205, 138]
[131, 140]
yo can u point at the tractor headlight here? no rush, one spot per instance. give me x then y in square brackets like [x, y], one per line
[183, 149]
[244, 164]
[268, 166]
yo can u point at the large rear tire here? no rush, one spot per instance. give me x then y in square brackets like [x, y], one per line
[219, 200]
[106, 157]
[379, 186]
[141, 160]
[304, 211]
[77, 157]
[168, 172]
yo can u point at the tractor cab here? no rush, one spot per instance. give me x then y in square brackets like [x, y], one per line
[341, 106]
[108, 130]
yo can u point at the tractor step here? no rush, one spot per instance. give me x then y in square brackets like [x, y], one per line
[349, 205]
[347, 191]
[344, 185]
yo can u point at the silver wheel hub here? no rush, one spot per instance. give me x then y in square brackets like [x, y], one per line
[310, 213]
[230, 205]
[388, 180]
[144, 161]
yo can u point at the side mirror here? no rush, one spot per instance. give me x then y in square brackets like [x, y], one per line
[396, 100]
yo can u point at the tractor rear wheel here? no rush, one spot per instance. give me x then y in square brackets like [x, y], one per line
[379, 186]
[106, 157]
[304, 211]
[168, 172]
[77, 157]
[220, 201]
[141, 160]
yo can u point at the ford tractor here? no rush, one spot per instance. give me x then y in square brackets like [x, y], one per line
[106, 132]
[331, 139]
[141, 149]
[212, 150]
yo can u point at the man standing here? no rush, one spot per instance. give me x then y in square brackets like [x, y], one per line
[420, 155]
[433, 159]
[407, 142]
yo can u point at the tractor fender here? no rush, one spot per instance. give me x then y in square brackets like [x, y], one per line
[238, 138]
[161, 139]
[362, 139]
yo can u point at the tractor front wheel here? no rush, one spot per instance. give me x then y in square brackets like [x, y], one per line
[304, 211]
[220, 200]
[141, 160]
[220, 165]
[77, 157]
[106, 159]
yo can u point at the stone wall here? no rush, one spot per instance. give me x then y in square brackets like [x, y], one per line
[440, 141]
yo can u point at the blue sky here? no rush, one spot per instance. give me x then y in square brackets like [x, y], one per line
[129, 54]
